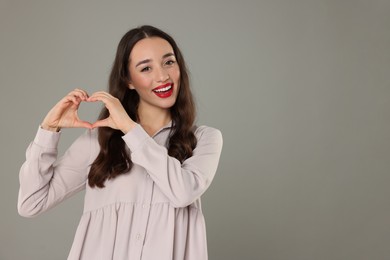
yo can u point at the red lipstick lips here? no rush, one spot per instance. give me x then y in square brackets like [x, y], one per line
[164, 91]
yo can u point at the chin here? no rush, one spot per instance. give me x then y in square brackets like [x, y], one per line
[168, 105]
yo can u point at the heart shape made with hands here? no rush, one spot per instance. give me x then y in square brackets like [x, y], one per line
[117, 119]
[72, 112]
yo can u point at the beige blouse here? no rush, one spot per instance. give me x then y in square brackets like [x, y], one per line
[151, 213]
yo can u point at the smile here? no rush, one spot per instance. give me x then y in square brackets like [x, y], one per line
[164, 91]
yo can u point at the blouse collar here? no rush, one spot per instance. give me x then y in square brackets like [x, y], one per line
[167, 126]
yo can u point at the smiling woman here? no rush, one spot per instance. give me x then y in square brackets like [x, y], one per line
[144, 164]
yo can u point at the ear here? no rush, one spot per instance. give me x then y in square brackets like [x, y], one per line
[131, 86]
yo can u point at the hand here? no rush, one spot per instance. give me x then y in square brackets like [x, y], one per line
[64, 113]
[118, 119]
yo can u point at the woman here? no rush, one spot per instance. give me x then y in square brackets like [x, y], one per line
[144, 164]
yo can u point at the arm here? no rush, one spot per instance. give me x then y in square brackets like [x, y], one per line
[46, 181]
[181, 183]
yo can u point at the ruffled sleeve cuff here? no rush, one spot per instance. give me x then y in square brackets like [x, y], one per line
[136, 138]
[47, 139]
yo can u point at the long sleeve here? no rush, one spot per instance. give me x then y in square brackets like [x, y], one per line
[46, 181]
[185, 182]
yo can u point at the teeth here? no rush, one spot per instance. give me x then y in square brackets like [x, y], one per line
[163, 89]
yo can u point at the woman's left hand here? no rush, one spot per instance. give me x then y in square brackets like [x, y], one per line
[118, 119]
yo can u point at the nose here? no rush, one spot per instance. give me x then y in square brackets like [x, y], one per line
[161, 75]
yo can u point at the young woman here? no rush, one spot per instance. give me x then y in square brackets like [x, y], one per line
[144, 164]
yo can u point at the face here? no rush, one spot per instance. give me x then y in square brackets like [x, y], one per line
[154, 73]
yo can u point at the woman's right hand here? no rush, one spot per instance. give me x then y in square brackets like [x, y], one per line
[64, 113]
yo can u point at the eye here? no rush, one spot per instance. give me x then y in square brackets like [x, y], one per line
[170, 62]
[145, 69]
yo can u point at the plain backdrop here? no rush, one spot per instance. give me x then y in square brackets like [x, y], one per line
[300, 90]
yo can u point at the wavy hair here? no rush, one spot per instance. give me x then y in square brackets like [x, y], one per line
[114, 158]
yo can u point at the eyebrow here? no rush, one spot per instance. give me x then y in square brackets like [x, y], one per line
[149, 60]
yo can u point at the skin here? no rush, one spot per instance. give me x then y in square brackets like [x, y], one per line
[152, 64]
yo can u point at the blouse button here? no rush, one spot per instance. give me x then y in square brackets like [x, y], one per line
[138, 237]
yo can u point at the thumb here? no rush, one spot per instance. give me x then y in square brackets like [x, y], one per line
[101, 123]
[83, 124]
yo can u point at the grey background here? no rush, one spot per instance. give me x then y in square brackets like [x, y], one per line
[300, 90]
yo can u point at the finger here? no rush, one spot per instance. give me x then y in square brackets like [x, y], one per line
[84, 95]
[70, 99]
[100, 97]
[67, 102]
[80, 93]
[102, 94]
[77, 102]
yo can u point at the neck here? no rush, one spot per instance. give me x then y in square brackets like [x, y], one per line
[153, 119]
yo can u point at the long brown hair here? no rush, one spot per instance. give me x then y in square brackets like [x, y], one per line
[113, 158]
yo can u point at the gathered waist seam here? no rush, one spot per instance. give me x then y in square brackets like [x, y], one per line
[192, 206]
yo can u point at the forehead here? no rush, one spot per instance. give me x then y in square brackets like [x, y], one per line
[150, 48]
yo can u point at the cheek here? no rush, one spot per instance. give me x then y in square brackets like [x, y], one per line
[176, 75]
[142, 83]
